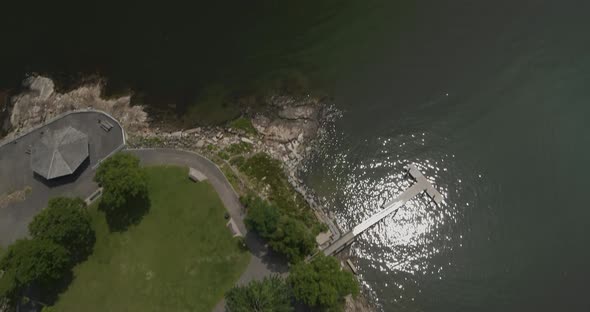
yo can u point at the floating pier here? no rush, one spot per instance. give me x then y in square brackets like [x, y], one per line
[422, 184]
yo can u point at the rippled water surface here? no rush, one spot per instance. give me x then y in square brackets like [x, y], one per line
[491, 101]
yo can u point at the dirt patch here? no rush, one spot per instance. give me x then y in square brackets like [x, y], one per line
[16, 196]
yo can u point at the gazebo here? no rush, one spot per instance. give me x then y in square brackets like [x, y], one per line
[59, 153]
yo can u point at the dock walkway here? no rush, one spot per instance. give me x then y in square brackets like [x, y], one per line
[422, 184]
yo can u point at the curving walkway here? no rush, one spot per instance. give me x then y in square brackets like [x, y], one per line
[263, 262]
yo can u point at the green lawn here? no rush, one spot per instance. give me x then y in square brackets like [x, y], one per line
[181, 257]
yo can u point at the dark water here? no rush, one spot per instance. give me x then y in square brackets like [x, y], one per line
[170, 51]
[490, 98]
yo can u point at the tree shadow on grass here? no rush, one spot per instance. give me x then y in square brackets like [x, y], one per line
[35, 297]
[119, 220]
[82, 253]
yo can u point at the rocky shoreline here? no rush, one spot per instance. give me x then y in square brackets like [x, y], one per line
[287, 131]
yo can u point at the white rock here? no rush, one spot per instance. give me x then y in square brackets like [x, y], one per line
[299, 112]
[246, 140]
[193, 130]
[177, 134]
[43, 86]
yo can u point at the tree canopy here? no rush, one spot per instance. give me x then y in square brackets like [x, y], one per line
[269, 295]
[262, 217]
[125, 191]
[292, 239]
[322, 284]
[66, 222]
[285, 234]
[27, 262]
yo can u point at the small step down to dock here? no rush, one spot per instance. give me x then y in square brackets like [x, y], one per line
[352, 267]
[422, 184]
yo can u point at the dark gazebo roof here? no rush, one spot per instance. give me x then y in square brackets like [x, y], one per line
[59, 153]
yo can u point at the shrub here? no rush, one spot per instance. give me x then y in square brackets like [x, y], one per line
[267, 170]
[237, 161]
[269, 295]
[322, 284]
[292, 239]
[285, 235]
[244, 124]
[239, 148]
[262, 217]
[223, 155]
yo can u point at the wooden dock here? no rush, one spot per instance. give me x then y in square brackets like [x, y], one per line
[422, 184]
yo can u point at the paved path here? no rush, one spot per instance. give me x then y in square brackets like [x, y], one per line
[263, 262]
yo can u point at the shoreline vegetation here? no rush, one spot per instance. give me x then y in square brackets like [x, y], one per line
[259, 149]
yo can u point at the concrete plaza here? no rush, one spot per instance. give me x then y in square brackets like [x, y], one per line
[16, 173]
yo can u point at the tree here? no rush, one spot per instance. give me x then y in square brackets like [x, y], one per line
[66, 222]
[8, 287]
[262, 217]
[292, 239]
[285, 234]
[28, 262]
[269, 295]
[322, 284]
[125, 191]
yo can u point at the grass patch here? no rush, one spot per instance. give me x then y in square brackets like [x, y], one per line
[244, 124]
[268, 171]
[239, 148]
[231, 177]
[235, 150]
[210, 148]
[181, 257]
[223, 155]
[237, 161]
[150, 142]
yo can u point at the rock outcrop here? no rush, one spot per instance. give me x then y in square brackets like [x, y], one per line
[40, 102]
[4, 112]
[291, 118]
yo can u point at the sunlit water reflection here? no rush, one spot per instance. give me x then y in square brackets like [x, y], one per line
[409, 244]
